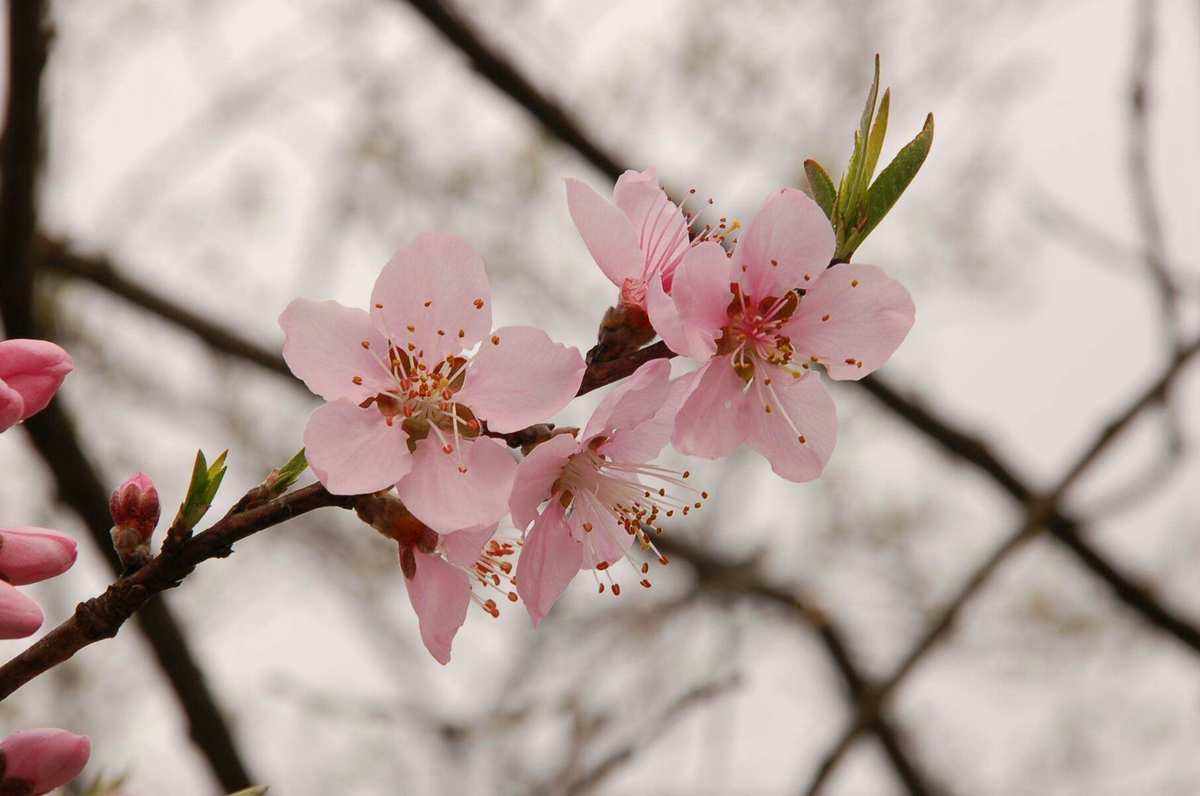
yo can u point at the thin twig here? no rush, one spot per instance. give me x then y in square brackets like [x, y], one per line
[1042, 513]
[1145, 200]
[101, 617]
[743, 579]
[494, 67]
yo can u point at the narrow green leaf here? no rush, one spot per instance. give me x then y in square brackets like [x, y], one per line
[822, 187]
[218, 465]
[282, 478]
[875, 140]
[206, 480]
[257, 790]
[864, 125]
[888, 186]
[216, 473]
[199, 474]
[844, 219]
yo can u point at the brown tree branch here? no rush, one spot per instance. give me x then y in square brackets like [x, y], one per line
[101, 617]
[51, 431]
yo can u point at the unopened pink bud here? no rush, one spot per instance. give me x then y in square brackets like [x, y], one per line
[44, 759]
[134, 506]
[28, 554]
[31, 371]
[19, 615]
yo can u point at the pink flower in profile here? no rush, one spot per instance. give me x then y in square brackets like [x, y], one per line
[442, 583]
[744, 318]
[441, 571]
[639, 236]
[38, 761]
[407, 397]
[31, 371]
[586, 499]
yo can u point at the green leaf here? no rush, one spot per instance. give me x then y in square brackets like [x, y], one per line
[822, 187]
[890, 183]
[864, 125]
[256, 790]
[843, 213]
[875, 140]
[206, 480]
[858, 175]
[281, 479]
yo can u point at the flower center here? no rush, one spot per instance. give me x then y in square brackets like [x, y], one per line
[423, 397]
[593, 482]
[752, 334]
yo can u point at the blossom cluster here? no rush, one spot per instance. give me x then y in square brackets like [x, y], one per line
[420, 393]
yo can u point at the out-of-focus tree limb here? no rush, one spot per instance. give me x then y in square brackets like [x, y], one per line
[496, 68]
[742, 579]
[595, 776]
[52, 431]
[60, 257]
[1041, 513]
[1141, 182]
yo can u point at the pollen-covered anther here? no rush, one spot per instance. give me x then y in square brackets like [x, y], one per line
[478, 303]
[357, 379]
[854, 283]
[495, 339]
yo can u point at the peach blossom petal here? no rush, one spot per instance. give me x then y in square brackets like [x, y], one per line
[353, 451]
[535, 476]
[853, 319]
[443, 497]
[323, 347]
[800, 407]
[440, 594]
[437, 286]
[711, 423]
[788, 239]
[549, 560]
[520, 377]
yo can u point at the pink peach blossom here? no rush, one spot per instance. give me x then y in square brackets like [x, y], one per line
[407, 399]
[20, 616]
[41, 760]
[585, 500]
[638, 237]
[134, 506]
[31, 371]
[758, 319]
[443, 582]
[28, 554]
